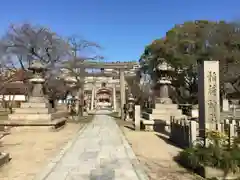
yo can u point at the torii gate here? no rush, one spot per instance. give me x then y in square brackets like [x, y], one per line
[119, 66]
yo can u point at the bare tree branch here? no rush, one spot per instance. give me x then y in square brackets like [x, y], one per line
[25, 43]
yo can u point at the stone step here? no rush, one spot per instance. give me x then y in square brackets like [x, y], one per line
[36, 117]
[38, 99]
[150, 125]
[55, 123]
[61, 107]
[166, 106]
[29, 117]
[31, 111]
[163, 111]
[165, 116]
[34, 105]
[146, 116]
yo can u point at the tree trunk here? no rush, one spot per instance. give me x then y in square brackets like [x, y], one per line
[80, 101]
[81, 92]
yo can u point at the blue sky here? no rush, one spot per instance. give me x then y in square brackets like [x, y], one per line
[123, 28]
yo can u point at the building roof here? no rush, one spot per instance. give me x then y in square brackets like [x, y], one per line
[15, 88]
[14, 84]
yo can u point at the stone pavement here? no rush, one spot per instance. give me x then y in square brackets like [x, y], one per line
[99, 152]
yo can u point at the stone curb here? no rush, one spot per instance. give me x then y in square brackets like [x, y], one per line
[133, 159]
[52, 163]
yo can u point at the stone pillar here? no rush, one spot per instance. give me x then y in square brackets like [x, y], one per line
[225, 105]
[37, 90]
[92, 98]
[122, 92]
[137, 116]
[114, 98]
[208, 96]
[119, 108]
[164, 91]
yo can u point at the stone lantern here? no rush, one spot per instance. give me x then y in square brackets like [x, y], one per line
[130, 78]
[37, 112]
[130, 107]
[164, 70]
[37, 80]
[71, 102]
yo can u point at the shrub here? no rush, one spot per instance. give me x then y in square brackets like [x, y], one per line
[218, 153]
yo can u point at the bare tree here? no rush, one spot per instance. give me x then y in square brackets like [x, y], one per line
[24, 43]
[82, 50]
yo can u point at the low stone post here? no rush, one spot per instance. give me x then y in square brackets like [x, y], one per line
[193, 132]
[114, 98]
[225, 105]
[137, 116]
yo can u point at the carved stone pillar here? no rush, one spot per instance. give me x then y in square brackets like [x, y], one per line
[92, 98]
[122, 92]
[114, 98]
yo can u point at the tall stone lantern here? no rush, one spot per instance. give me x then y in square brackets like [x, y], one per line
[37, 81]
[164, 70]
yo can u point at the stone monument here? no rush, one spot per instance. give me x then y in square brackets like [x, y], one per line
[208, 96]
[37, 110]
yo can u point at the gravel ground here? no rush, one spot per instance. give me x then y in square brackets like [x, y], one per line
[31, 148]
[156, 154]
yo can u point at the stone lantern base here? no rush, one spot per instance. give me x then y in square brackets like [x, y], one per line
[37, 112]
[164, 100]
[160, 116]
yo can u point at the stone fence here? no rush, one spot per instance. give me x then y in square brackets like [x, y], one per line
[184, 132]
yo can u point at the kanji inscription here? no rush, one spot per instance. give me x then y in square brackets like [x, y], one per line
[212, 96]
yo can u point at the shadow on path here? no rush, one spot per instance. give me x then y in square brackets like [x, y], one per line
[166, 140]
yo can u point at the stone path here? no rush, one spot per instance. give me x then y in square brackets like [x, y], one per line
[99, 152]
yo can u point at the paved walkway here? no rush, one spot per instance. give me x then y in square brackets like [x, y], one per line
[99, 152]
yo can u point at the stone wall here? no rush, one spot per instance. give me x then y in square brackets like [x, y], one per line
[184, 132]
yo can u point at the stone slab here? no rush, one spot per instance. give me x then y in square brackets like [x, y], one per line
[166, 106]
[56, 123]
[31, 110]
[37, 117]
[100, 151]
[38, 100]
[163, 111]
[34, 105]
[165, 116]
